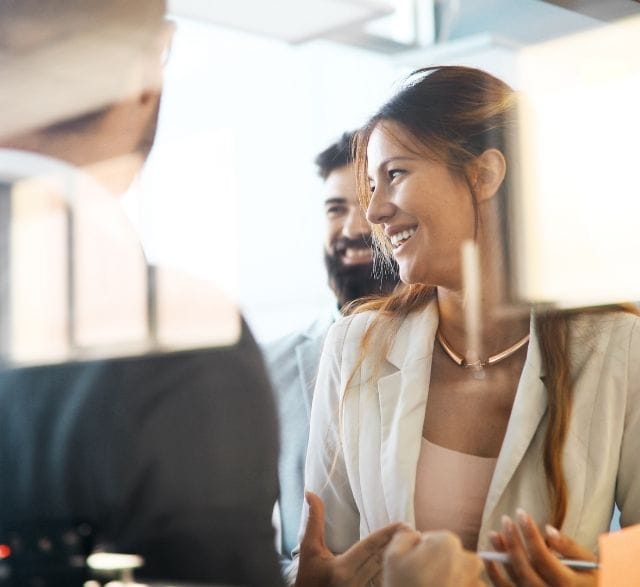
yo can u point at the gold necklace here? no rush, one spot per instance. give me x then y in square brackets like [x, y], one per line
[492, 360]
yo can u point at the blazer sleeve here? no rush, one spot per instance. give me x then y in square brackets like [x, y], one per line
[628, 483]
[326, 472]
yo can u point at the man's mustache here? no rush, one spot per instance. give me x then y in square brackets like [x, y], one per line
[341, 244]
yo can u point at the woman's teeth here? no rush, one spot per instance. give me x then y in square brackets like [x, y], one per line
[401, 237]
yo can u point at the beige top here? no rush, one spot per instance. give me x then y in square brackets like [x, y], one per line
[451, 490]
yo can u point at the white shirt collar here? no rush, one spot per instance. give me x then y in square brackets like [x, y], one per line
[16, 164]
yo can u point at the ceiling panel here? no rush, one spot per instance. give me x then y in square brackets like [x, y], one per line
[293, 21]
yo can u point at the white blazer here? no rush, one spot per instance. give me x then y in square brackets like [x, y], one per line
[367, 477]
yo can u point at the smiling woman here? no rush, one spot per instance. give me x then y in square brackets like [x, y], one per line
[400, 430]
[411, 200]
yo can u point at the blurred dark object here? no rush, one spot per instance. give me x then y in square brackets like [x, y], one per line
[48, 554]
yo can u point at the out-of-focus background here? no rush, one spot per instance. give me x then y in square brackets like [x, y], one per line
[254, 90]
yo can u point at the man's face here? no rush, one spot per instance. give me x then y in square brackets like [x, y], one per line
[347, 246]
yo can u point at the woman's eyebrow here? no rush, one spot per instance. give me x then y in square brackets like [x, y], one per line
[397, 158]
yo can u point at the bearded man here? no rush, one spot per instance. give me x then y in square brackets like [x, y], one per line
[293, 360]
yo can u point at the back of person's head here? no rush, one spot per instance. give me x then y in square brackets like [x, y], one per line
[27, 23]
[451, 114]
[337, 155]
[62, 59]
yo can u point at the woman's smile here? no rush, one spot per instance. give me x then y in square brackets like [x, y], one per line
[399, 238]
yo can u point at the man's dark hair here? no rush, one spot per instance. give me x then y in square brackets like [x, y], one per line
[337, 155]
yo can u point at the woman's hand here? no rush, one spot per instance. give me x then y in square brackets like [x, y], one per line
[534, 561]
[432, 559]
[319, 567]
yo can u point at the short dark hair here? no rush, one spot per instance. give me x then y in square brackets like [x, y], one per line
[336, 155]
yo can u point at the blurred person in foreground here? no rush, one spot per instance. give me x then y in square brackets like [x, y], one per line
[115, 408]
[292, 361]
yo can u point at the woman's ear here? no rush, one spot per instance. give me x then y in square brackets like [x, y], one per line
[486, 174]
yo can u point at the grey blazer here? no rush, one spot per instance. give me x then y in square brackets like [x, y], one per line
[292, 362]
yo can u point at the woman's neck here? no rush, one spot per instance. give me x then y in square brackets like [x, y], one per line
[498, 326]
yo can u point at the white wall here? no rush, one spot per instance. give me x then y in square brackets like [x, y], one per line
[230, 192]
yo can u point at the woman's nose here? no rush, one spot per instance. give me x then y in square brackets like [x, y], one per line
[380, 209]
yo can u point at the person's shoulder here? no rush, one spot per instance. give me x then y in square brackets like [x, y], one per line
[610, 332]
[348, 331]
[608, 322]
[284, 345]
[355, 325]
[354, 322]
[625, 327]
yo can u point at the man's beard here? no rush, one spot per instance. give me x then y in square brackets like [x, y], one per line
[350, 282]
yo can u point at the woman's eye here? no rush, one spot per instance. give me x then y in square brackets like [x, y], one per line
[393, 173]
[372, 187]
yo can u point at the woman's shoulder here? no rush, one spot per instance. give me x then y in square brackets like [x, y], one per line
[351, 328]
[607, 322]
[380, 328]
[610, 330]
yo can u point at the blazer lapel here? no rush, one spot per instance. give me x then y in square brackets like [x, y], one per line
[529, 407]
[402, 397]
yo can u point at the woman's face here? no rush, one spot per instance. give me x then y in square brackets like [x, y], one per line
[425, 211]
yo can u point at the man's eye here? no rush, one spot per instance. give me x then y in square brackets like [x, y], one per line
[335, 210]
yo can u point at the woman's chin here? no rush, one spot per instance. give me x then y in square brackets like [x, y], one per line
[409, 277]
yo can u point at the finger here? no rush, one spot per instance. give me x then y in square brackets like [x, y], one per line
[402, 542]
[368, 570]
[373, 544]
[313, 538]
[497, 541]
[496, 574]
[565, 546]
[471, 568]
[540, 557]
[519, 569]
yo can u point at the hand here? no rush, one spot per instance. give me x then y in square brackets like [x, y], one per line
[432, 559]
[319, 567]
[533, 557]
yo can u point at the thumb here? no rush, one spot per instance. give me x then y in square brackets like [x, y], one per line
[314, 532]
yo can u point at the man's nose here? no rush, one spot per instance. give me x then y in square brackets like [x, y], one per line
[356, 225]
